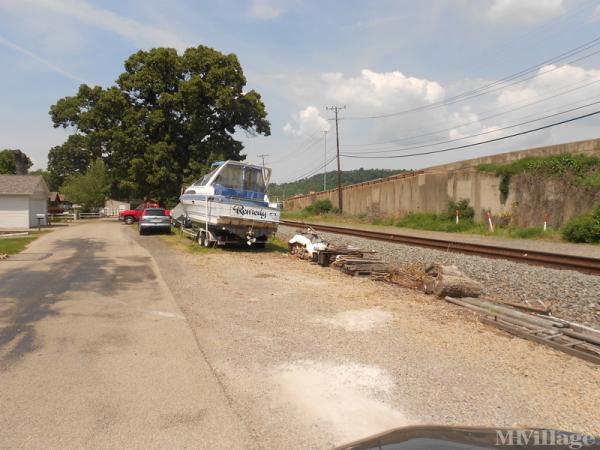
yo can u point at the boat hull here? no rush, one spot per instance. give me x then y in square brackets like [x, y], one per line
[217, 211]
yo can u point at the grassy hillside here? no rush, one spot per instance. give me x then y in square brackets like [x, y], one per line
[315, 183]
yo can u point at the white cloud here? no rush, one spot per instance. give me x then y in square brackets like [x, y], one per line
[7, 43]
[551, 78]
[596, 14]
[379, 93]
[264, 10]
[306, 122]
[137, 32]
[524, 11]
[375, 90]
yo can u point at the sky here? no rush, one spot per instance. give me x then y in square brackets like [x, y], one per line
[396, 65]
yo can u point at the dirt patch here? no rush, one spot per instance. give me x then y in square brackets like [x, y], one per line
[349, 397]
[357, 320]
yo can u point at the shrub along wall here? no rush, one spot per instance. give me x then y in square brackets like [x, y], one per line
[559, 186]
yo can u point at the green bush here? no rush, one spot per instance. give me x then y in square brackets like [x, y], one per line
[437, 222]
[584, 228]
[578, 169]
[464, 209]
[318, 207]
[526, 233]
[387, 221]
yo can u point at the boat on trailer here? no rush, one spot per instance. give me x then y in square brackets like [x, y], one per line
[229, 205]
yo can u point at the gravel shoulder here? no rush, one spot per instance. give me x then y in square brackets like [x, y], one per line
[311, 358]
[589, 250]
[572, 295]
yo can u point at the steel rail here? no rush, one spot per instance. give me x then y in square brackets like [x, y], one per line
[583, 264]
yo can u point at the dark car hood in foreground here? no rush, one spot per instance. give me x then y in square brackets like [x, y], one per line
[457, 438]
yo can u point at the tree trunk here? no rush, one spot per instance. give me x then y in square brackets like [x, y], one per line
[456, 286]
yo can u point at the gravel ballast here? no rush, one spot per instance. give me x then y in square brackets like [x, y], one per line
[572, 295]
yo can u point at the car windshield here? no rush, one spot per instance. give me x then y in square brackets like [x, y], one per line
[154, 212]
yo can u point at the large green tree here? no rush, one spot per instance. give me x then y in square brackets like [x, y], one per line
[88, 189]
[168, 117]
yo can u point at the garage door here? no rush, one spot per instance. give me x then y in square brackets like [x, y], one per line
[37, 206]
[13, 211]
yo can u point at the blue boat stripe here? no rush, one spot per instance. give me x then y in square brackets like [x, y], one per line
[223, 199]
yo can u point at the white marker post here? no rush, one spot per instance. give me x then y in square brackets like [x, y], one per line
[546, 221]
[489, 218]
[457, 213]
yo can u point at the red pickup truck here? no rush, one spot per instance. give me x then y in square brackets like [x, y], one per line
[133, 215]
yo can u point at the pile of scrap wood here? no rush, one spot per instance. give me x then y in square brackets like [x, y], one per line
[305, 244]
[408, 276]
[539, 326]
[450, 281]
[360, 265]
[3, 256]
[351, 260]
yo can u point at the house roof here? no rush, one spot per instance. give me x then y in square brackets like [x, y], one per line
[56, 197]
[22, 184]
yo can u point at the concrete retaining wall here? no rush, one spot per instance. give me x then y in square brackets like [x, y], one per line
[430, 190]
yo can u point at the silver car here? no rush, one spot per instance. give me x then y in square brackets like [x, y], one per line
[154, 219]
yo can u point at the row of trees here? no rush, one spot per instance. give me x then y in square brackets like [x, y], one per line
[167, 118]
[315, 182]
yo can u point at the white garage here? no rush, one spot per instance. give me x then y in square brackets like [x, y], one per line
[22, 197]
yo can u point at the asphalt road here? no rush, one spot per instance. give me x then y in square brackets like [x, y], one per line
[95, 353]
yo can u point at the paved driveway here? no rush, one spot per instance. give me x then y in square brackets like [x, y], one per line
[94, 352]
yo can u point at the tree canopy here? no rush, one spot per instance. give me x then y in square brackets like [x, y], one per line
[14, 162]
[315, 182]
[168, 117]
[89, 189]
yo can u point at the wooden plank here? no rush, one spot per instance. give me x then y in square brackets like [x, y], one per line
[520, 332]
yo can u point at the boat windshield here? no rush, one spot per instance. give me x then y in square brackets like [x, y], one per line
[241, 178]
[206, 178]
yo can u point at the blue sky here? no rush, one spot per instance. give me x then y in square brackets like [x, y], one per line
[376, 57]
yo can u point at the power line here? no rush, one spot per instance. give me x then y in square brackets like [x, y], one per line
[482, 90]
[478, 134]
[478, 143]
[312, 171]
[508, 47]
[480, 119]
[305, 144]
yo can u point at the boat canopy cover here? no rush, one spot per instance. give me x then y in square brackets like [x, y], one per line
[238, 180]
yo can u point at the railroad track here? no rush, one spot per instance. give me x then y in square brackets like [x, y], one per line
[558, 261]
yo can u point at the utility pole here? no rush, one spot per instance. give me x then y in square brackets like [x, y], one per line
[335, 110]
[263, 159]
[263, 156]
[325, 160]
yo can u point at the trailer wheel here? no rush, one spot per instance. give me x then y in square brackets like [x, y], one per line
[204, 240]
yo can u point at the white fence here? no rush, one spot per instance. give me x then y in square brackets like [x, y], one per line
[70, 217]
[111, 212]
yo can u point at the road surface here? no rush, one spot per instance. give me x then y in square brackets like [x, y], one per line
[95, 353]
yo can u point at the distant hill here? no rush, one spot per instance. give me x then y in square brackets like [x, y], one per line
[315, 183]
